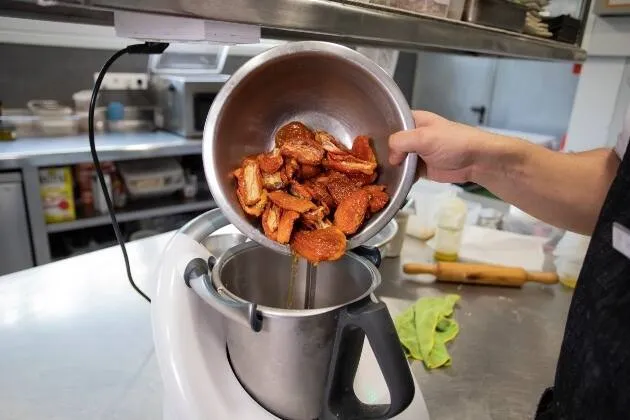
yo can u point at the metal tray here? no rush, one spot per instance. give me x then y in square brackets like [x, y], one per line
[496, 13]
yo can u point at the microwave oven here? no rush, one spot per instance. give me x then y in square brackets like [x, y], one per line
[183, 101]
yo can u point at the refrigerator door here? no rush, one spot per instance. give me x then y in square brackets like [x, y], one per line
[15, 242]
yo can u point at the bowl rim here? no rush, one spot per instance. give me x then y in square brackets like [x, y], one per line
[272, 311]
[397, 197]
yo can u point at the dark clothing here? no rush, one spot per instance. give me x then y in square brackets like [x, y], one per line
[593, 373]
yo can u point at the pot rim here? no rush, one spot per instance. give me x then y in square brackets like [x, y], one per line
[397, 197]
[269, 311]
[392, 225]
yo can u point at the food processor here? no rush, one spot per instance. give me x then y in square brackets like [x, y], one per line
[246, 330]
[191, 340]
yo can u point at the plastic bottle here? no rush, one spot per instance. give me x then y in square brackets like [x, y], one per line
[569, 257]
[451, 218]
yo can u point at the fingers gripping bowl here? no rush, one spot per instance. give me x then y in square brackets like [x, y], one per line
[323, 85]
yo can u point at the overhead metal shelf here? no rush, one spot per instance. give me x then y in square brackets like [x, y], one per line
[349, 22]
[136, 211]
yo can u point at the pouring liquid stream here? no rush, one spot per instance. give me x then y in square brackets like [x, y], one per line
[294, 271]
[309, 271]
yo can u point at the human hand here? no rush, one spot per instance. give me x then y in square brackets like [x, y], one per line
[448, 150]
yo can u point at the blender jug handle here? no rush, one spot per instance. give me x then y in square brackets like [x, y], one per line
[366, 318]
[197, 277]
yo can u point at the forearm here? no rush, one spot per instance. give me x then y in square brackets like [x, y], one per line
[564, 189]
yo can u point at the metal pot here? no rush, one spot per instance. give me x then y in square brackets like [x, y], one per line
[327, 86]
[300, 364]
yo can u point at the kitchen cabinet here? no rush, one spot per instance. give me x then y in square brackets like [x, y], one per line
[26, 156]
[15, 245]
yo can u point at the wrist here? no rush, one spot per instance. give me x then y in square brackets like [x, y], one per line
[498, 157]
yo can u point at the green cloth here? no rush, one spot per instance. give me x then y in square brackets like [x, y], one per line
[426, 327]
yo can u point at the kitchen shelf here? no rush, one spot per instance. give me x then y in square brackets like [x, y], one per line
[348, 21]
[142, 209]
[70, 150]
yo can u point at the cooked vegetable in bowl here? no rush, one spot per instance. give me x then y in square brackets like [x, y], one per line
[310, 190]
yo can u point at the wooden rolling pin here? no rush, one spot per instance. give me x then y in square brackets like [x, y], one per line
[492, 275]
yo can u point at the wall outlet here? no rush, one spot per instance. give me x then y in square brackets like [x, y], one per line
[124, 81]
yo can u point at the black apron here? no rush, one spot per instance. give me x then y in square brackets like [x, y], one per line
[593, 373]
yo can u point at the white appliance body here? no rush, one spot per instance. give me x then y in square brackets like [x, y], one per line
[190, 346]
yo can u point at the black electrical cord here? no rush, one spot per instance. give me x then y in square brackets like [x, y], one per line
[146, 48]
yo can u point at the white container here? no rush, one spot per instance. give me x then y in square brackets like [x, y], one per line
[151, 177]
[100, 116]
[24, 122]
[569, 256]
[48, 108]
[100, 205]
[490, 218]
[450, 226]
[427, 196]
[82, 100]
[191, 186]
[54, 119]
[58, 126]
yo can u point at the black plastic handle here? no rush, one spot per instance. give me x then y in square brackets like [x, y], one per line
[371, 253]
[361, 319]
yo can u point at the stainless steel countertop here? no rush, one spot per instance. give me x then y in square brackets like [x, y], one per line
[506, 352]
[76, 343]
[42, 151]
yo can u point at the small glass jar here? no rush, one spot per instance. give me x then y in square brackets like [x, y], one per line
[450, 225]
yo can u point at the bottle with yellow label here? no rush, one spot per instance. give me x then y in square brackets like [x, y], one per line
[7, 130]
[451, 218]
[56, 189]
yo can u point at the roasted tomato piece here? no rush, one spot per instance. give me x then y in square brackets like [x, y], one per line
[270, 162]
[361, 149]
[289, 202]
[347, 163]
[274, 181]
[270, 220]
[352, 211]
[294, 130]
[378, 197]
[256, 209]
[340, 186]
[300, 190]
[329, 142]
[285, 227]
[316, 218]
[309, 171]
[326, 244]
[320, 194]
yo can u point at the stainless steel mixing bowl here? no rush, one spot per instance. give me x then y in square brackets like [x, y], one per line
[327, 87]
